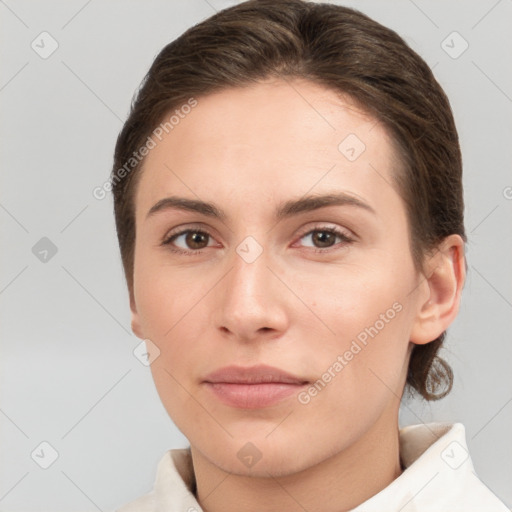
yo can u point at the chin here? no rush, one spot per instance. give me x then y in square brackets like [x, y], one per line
[261, 456]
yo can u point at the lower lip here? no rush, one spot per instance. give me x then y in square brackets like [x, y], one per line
[253, 396]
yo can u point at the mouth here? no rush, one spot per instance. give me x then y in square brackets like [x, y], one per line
[253, 387]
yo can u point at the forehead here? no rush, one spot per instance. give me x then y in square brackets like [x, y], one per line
[273, 139]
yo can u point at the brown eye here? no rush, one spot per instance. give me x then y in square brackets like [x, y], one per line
[188, 241]
[196, 239]
[325, 238]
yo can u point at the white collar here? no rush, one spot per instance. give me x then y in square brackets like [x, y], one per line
[439, 477]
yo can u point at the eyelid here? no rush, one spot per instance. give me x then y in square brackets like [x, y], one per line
[183, 228]
[326, 227]
[346, 236]
[304, 231]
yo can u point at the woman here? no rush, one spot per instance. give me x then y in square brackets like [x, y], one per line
[289, 208]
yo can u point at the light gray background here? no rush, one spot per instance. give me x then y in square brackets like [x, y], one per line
[68, 374]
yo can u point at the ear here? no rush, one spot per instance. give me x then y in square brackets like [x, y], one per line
[445, 274]
[136, 324]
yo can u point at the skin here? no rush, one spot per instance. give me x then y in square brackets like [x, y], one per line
[248, 150]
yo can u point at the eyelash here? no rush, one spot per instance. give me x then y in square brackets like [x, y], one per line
[169, 239]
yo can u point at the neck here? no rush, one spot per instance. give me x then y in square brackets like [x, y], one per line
[337, 484]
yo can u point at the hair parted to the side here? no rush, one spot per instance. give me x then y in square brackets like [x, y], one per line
[345, 51]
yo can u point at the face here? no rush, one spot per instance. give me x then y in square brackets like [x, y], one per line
[266, 274]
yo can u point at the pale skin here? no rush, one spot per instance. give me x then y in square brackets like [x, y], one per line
[248, 151]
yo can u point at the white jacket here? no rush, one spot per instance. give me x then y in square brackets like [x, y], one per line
[439, 477]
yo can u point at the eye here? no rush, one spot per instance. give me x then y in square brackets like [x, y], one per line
[324, 238]
[192, 240]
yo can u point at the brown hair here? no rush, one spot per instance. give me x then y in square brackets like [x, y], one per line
[345, 51]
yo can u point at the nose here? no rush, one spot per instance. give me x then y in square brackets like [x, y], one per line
[251, 303]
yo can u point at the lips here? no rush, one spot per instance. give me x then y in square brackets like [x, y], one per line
[253, 375]
[253, 387]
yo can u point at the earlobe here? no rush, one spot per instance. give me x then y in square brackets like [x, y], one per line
[445, 275]
[136, 326]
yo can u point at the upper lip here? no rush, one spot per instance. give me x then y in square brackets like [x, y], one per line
[252, 375]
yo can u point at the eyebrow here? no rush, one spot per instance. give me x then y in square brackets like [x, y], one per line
[284, 210]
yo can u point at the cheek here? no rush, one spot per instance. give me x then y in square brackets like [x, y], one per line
[171, 306]
[165, 308]
[165, 297]
[369, 320]
[352, 299]
[170, 321]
